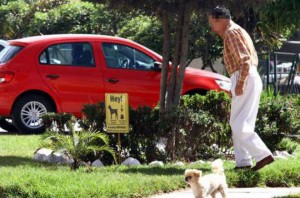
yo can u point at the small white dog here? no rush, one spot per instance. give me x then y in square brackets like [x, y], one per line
[210, 184]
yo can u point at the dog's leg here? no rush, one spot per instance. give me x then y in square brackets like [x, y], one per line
[213, 194]
[223, 192]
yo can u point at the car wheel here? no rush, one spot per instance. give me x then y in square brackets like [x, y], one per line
[7, 125]
[27, 113]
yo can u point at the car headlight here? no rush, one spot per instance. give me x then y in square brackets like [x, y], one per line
[225, 85]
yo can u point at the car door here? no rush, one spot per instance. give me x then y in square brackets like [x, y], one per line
[131, 71]
[70, 71]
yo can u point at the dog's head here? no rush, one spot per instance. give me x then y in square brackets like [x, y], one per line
[192, 175]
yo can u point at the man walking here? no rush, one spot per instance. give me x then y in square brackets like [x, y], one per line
[240, 58]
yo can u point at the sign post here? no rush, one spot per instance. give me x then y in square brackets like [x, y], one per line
[117, 115]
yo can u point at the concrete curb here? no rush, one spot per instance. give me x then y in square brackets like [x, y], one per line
[238, 193]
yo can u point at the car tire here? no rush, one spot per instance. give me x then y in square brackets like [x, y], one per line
[27, 113]
[7, 125]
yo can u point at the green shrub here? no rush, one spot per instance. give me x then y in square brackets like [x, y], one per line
[215, 103]
[286, 144]
[199, 129]
[56, 121]
[243, 178]
[139, 143]
[93, 117]
[277, 118]
[144, 135]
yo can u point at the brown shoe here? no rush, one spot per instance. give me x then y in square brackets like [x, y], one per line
[263, 162]
[242, 167]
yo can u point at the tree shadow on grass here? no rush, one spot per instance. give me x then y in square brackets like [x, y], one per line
[159, 170]
[14, 161]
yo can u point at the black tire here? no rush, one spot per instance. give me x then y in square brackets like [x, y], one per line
[27, 113]
[7, 125]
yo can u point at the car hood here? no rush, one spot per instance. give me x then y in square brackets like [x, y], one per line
[203, 73]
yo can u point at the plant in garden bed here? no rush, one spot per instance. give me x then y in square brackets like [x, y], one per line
[93, 117]
[139, 143]
[199, 120]
[201, 126]
[286, 144]
[57, 121]
[78, 145]
[277, 118]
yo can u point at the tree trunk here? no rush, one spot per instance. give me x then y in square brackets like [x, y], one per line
[175, 62]
[177, 74]
[207, 58]
[165, 63]
[184, 51]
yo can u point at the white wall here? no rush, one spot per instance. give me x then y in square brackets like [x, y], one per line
[197, 63]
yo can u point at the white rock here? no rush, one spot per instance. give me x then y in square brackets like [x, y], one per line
[42, 155]
[156, 163]
[97, 163]
[280, 157]
[282, 154]
[47, 155]
[56, 158]
[179, 164]
[131, 162]
[59, 158]
[286, 154]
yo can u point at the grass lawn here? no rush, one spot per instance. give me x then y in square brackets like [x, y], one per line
[22, 177]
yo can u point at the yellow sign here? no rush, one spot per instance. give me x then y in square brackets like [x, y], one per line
[117, 113]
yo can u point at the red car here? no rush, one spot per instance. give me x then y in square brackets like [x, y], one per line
[60, 73]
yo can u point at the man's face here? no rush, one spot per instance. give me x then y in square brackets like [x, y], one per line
[216, 25]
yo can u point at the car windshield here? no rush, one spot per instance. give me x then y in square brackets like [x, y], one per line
[9, 52]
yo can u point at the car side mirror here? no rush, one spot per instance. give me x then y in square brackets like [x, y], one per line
[157, 66]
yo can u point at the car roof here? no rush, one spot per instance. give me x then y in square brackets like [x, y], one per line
[3, 42]
[73, 37]
[65, 37]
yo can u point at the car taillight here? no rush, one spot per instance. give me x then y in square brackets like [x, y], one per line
[6, 76]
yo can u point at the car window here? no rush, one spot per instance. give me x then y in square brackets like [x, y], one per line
[70, 54]
[122, 56]
[3, 43]
[9, 52]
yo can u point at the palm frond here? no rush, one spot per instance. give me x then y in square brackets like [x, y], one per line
[78, 144]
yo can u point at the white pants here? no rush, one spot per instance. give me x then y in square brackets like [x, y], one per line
[247, 144]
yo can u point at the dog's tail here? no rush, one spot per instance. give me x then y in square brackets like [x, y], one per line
[217, 167]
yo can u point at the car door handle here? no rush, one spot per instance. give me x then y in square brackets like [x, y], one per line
[112, 80]
[52, 76]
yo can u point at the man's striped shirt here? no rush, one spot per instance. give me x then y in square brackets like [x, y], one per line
[239, 52]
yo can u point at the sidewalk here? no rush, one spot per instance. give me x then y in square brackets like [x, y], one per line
[238, 193]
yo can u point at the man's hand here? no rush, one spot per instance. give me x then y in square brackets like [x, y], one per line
[239, 89]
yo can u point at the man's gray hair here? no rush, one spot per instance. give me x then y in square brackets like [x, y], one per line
[220, 12]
